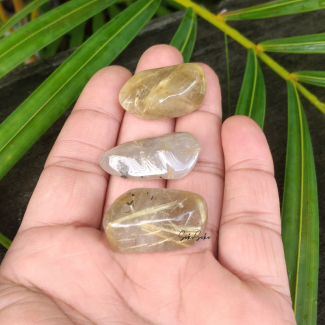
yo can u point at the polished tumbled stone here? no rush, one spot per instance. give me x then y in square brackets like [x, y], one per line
[155, 220]
[165, 92]
[171, 156]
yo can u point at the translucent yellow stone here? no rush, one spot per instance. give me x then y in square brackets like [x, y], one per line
[155, 220]
[165, 92]
[170, 156]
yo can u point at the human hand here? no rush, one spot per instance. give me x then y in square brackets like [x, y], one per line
[60, 268]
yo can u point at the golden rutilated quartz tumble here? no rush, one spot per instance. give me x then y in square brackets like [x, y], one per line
[155, 220]
[167, 92]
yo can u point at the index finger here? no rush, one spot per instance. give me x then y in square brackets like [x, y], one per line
[72, 187]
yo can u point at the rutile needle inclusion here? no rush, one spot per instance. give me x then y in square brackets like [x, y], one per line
[171, 156]
[164, 92]
[155, 220]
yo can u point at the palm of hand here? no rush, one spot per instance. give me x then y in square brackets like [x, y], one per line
[60, 268]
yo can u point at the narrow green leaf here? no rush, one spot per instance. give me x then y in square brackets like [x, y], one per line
[228, 74]
[36, 114]
[98, 21]
[252, 99]
[113, 11]
[185, 36]
[20, 15]
[316, 78]
[163, 11]
[30, 38]
[52, 48]
[77, 35]
[300, 224]
[300, 44]
[275, 9]
[4, 241]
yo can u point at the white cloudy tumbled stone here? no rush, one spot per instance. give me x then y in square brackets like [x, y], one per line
[171, 156]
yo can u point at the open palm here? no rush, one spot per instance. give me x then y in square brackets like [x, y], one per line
[60, 268]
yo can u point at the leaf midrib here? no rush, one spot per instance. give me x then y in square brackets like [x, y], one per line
[47, 26]
[254, 86]
[68, 80]
[291, 44]
[300, 76]
[308, 76]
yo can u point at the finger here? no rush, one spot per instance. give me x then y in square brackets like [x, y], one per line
[134, 128]
[206, 178]
[72, 186]
[250, 242]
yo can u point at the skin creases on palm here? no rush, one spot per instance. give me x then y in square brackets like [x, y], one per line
[60, 268]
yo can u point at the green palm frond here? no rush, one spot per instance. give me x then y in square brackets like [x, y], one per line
[252, 99]
[4, 241]
[39, 111]
[300, 225]
[185, 37]
[20, 15]
[32, 37]
[316, 78]
[300, 44]
[275, 9]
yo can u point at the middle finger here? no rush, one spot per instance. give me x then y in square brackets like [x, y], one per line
[134, 128]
